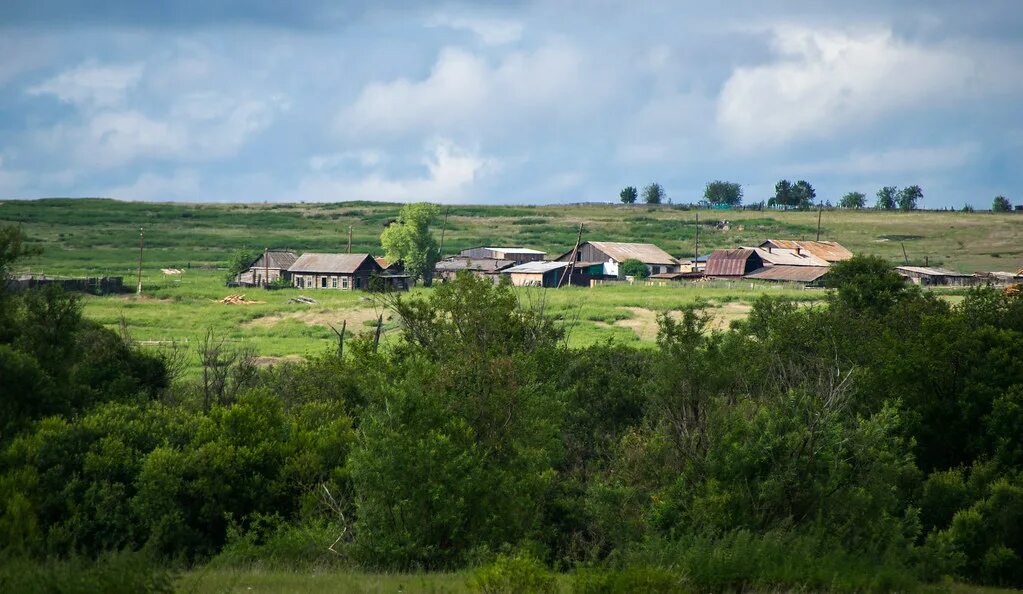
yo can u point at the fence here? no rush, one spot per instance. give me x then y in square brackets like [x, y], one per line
[100, 285]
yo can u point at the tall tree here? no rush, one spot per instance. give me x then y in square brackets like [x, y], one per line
[1001, 204]
[853, 200]
[803, 194]
[886, 197]
[409, 239]
[782, 194]
[653, 194]
[722, 192]
[628, 195]
[909, 197]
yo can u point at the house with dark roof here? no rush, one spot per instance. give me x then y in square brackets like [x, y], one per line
[270, 266]
[611, 254]
[335, 271]
[734, 263]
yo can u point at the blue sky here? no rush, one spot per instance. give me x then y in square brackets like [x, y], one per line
[508, 102]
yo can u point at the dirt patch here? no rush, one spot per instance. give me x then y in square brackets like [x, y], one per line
[724, 314]
[266, 361]
[644, 321]
[320, 317]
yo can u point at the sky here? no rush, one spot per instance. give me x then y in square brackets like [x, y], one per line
[508, 102]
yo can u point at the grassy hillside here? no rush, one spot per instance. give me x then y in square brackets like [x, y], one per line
[94, 235]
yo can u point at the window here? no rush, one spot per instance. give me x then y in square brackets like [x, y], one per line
[344, 282]
[333, 282]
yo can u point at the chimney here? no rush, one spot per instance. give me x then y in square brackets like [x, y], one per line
[768, 248]
[798, 253]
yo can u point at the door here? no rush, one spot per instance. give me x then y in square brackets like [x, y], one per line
[323, 282]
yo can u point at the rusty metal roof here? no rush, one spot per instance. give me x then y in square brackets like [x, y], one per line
[831, 251]
[646, 253]
[796, 274]
[927, 271]
[330, 263]
[787, 257]
[728, 262]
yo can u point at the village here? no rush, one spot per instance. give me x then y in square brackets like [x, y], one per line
[590, 263]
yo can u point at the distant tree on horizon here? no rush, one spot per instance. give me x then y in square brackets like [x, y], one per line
[853, 200]
[1001, 204]
[910, 197]
[803, 194]
[628, 195]
[886, 197]
[722, 192]
[653, 194]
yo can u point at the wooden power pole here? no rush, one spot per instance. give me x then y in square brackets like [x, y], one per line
[266, 267]
[696, 260]
[349, 239]
[443, 228]
[820, 208]
[575, 252]
[142, 241]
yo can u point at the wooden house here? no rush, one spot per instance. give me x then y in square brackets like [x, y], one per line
[828, 251]
[611, 254]
[270, 266]
[537, 274]
[334, 271]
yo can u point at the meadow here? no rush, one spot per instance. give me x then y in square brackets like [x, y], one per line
[101, 237]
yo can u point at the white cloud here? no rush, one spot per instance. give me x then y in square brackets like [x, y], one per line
[464, 92]
[362, 158]
[182, 184]
[451, 172]
[490, 31]
[11, 182]
[897, 160]
[827, 81]
[92, 85]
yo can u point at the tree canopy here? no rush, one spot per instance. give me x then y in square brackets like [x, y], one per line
[910, 197]
[1001, 204]
[886, 197]
[653, 193]
[409, 239]
[722, 192]
[633, 267]
[628, 195]
[798, 195]
[853, 200]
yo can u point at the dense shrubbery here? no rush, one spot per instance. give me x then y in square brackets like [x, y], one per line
[865, 444]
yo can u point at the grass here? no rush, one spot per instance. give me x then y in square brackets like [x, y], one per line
[100, 237]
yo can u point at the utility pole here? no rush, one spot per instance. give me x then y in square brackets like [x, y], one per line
[696, 260]
[266, 267]
[820, 208]
[443, 228]
[575, 253]
[349, 239]
[142, 241]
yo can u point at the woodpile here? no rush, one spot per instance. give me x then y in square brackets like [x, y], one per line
[302, 299]
[237, 300]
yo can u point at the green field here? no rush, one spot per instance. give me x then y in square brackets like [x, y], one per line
[100, 237]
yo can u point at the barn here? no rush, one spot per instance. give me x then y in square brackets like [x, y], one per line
[733, 263]
[929, 277]
[612, 253]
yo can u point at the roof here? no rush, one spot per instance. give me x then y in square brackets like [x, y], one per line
[276, 259]
[515, 250]
[381, 261]
[927, 271]
[787, 257]
[801, 274]
[646, 253]
[537, 267]
[832, 251]
[478, 264]
[728, 262]
[330, 263]
[676, 275]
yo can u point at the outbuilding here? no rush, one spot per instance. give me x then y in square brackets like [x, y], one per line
[931, 277]
[270, 266]
[537, 274]
[518, 255]
[733, 263]
[612, 253]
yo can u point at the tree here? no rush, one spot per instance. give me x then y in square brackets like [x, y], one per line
[802, 194]
[967, 208]
[782, 194]
[1001, 204]
[722, 192]
[853, 200]
[628, 195]
[866, 283]
[633, 267]
[909, 197]
[886, 197]
[653, 194]
[240, 262]
[409, 239]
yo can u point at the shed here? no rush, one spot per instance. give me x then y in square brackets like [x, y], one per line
[537, 274]
[268, 267]
[809, 275]
[446, 269]
[334, 271]
[733, 263]
[927, 276]
[519, 255]
[613, 253]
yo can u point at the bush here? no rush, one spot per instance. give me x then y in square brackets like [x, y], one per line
[634, 268]
[632, 579]
[519, 574]
[123, 572]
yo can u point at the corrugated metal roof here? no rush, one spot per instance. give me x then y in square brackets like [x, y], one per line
[514, 250]
[831, 251]
[536, 267]
[927, 271]
[381, 261]
[787, 257]
[276, 259]
[457, 263]
[728, 262]
[646, 253]
[799, 274]
[330, 263]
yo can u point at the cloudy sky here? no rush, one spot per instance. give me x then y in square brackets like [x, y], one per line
[508, 102]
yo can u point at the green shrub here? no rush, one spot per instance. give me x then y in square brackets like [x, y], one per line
[632, 579]
[518, 574]
[122, 572]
